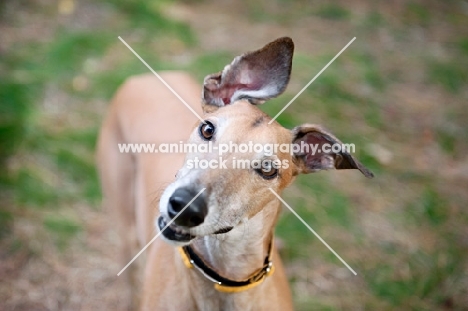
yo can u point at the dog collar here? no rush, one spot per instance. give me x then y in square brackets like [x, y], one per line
[192, 259]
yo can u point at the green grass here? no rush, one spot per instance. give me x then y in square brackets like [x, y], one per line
[331, 95]
[86, 138]
[447, 140]
[147, 15]
[283, 12]
[13, 114]
[62, 229]
[423, 284]
[450, 75]
[66, 54]
[31, 189]
[106, 83]
[6, 220]
[416, 13]
[330, 207]
[71, 160]
[434, 208]
[313, 304]
[421, 278]
[80, 171]
[337, 102]
[332, 203]
[373, 20]
[369, 70]
[333, 12]
[209, 63]
[463, 46]
[274, 106]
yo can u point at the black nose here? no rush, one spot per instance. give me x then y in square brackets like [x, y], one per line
[191, 216]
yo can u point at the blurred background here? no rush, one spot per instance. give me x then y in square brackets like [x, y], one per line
[399, 92]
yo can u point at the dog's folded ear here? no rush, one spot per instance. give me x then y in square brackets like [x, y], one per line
[256, 76]
[320, 150]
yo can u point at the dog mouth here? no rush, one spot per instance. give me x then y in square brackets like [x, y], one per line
[223, 230]
[173, 232]
[177, 234]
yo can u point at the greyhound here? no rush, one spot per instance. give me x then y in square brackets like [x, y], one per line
[216, 250]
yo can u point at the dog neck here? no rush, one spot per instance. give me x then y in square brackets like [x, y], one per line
[242, 251]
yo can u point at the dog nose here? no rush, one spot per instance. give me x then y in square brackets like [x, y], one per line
[191, 216]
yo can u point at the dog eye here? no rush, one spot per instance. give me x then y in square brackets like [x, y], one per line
[268, 170]
[207, 130]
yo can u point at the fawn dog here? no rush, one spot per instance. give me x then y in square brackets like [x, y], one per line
[216, 250]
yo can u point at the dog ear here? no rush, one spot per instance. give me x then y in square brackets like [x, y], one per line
[322, 152]
[256, 76]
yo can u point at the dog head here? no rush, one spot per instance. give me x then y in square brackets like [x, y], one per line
[239, 155]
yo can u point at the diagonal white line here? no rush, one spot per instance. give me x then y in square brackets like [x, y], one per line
[313, 79]
[159, 77]
[312, 230]
[157, 235]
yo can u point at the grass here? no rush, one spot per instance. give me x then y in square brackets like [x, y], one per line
[320, 204]
[416, 13]
[431, 207]
[62, 229]
[65, 55]
[13, 113]
[373, 20]
[463, 46]
[370, 72]
[333, 12]
[32, 190]
[452, 134]
[147, 15]
[80, 171]
[425, 280]
[283, 12]
[450, 75]
[209, 63]
[6, 219]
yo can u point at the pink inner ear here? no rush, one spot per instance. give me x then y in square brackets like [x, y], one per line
[318, 160]
[257, 76]
[316, 139]
[239, 76]
[225, 92]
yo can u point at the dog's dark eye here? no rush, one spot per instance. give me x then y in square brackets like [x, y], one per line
[207, 130]
[269, 170]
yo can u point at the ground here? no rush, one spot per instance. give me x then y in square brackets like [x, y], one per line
[399, 92]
